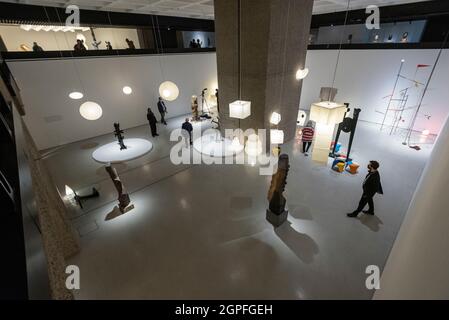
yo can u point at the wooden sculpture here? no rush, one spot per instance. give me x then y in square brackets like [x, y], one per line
[195, 113]
[276, 213]
[123, 197]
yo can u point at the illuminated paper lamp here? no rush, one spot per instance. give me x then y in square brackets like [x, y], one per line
[91, 111]
[302, 73]
[169, 91]
[253, 146]
[275, 118]
[240, 109]
[127, 90]
[276, 136]
[76, 95]
[326, 114]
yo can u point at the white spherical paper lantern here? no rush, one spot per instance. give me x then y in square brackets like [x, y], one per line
[91, 111]
[169, 91]
[127, 90]
[76, 95]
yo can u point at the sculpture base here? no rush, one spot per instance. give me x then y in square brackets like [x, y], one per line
[276, 219]
[116, 212]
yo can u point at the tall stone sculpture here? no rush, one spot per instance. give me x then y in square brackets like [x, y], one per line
[195, 113]
[119, 134]
[123, 196]
[276, 214]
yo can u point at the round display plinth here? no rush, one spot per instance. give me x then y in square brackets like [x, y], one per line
[214, 145]
[111, 153]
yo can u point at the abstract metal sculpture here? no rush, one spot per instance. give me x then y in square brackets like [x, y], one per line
[348, 126]
[276, 214]
[119, 134]
[123, 197]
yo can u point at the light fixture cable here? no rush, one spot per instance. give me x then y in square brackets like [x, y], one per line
[339, 50]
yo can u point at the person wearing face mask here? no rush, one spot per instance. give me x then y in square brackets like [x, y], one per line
[371, 186]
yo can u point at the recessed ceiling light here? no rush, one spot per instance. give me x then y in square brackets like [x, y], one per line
[76, 95]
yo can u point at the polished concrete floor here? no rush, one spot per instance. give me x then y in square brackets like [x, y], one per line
[199, 231]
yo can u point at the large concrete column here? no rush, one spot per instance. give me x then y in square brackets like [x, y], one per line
[271, 46]
[418, 265]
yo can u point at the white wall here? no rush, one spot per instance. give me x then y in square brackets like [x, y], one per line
[364, 77]
[418, 265]
[14, 36]
[53, 118]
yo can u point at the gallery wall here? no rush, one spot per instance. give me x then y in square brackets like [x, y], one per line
[14, 37]
[54, 119]
[365, 77]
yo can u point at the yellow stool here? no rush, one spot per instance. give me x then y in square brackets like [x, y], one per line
[341, 166]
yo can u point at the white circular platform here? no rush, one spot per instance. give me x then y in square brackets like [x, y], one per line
[212, 144]
[111, 153]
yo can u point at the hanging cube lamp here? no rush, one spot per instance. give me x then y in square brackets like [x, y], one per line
[240, 109]
[276, 136]
[275, 118]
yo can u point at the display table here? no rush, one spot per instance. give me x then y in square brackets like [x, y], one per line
[214, 145]
[111, 153]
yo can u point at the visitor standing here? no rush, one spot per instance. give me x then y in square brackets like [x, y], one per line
[37, 47]
[162, 110]
[187, 126]
[308, 133]
[370, 187]
[130, 44]
[152, 121]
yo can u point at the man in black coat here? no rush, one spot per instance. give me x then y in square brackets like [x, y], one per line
[371, 186]
[152, 121]
[162, 110]
[187, 126]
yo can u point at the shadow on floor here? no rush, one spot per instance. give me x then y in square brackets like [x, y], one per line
[89, 145]
[303, 246]
[299, 211]
[115, 213]
[241, 203]
[371, 222]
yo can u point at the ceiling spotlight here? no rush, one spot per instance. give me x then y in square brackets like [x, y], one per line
[302, 73]
[91, 111]
[426, 132]
[127, 90]
[76, 95]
